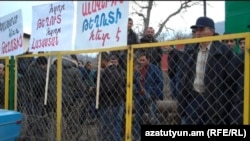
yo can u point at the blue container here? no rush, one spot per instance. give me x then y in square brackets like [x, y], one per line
[10, 125]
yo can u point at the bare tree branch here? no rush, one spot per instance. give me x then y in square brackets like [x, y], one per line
[141, 15]
[168, 28]
[140, 6]
[148, 14]
[146, 17]
[184, 5]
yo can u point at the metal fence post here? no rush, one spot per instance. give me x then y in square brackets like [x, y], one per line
[11, 83]
[129, 95]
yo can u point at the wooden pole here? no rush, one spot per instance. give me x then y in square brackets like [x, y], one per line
[98, 81]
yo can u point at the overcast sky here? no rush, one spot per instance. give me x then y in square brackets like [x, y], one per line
[183, 21]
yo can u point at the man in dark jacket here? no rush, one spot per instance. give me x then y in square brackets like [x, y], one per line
[174, 56]
[131, 39]
[112, 100]
[31, 96]
[204, 94]
[155, 53]
[237, 73]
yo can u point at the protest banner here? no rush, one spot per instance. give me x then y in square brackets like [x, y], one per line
[11, 34]
[101, 24]
[52, 27]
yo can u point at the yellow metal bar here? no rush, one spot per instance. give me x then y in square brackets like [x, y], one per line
[246, 102]
[191, 40]
[75, 52]
[59, 98]
[129, 95]
[6, 83]
[166, 43]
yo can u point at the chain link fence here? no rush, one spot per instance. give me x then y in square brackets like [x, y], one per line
[75, 111]
[3, 82]
[205, 86]
[41, 119]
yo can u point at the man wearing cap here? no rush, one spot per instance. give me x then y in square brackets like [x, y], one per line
[203, 87]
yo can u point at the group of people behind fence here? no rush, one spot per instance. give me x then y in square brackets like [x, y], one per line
[205, 78]
[78, 91]
[147, 87]
[31, 96]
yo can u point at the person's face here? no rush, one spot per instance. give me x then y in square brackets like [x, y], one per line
[89, 66]
[103, 63]
[242, 44]
[130, 24]
[115, 62]
[143, 61]
[150, 32]
[203, 32]
[231, 43]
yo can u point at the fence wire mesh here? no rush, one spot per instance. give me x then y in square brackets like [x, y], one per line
[176, 94]
[205, 86]
[2, 82]
[212, 102]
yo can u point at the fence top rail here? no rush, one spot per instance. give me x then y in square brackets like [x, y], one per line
[145, 45]
[4, 57]
[194, 40]
[56, 53]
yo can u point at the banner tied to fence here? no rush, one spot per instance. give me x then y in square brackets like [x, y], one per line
[101, 24]
[52, 27]
[11, 34]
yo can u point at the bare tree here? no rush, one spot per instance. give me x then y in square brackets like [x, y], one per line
[142, 6]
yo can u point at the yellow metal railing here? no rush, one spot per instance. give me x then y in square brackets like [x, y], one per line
[129, 86]
[246, 102]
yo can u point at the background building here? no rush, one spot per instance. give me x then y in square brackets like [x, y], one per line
[26, 41]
